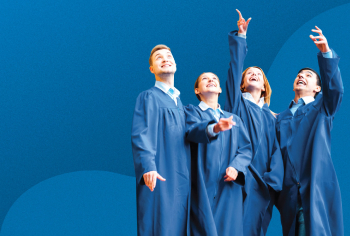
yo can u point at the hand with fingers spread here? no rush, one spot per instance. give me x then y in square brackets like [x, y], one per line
[224, 124]
[242, 24]
[150, 179]
[231, 174]
[320, 41]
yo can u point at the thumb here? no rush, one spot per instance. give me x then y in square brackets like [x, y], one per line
[160, 178]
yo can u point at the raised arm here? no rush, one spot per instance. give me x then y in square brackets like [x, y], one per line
[332, 84]
[144, 140]
[238, 52]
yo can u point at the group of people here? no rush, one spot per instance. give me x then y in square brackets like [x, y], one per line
[207, 170]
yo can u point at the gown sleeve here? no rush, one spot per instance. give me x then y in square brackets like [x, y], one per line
[238, 52]
[243, 155]
[332, 84]
[196, 129]
[274, 176]
[144, 134]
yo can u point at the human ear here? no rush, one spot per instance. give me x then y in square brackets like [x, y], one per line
[196, 91]
[317, 89]
[151, 69]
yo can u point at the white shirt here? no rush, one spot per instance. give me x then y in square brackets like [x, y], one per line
[248, 96]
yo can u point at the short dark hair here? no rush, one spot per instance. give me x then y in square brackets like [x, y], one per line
[318, 78]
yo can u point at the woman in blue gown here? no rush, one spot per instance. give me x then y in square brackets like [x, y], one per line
[248, 96]
[218, 163]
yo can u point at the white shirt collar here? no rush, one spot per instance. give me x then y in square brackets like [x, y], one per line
[248, 96]
[165, 88]
[306, 99]
[203, 106]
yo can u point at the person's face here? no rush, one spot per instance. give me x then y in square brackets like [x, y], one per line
[306, 82]
[163, 62]
[209, 83]
[253, 80]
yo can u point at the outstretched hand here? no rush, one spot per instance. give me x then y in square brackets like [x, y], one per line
[150, 179]
[242, 24]
[224, 124]
[320, 41]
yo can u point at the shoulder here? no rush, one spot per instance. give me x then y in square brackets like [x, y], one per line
[150, 96]
[152, 92]
[283, 115]
[192, 110]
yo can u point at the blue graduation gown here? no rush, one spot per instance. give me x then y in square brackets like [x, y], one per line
[158, 144]
[266, 169]
[216, 205]
[305, 141]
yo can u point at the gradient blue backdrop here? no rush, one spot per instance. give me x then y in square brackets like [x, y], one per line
[70, 72]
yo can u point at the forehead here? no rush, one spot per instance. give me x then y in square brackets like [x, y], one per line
[161, 52]
[208, 74]
[308, 72]
[254, 69]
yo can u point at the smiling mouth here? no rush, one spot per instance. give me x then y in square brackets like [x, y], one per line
[166, 65]
[301, 82]
[211, 85]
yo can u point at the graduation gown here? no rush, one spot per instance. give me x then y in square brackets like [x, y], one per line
[216, 205]
[305, 141]
[265, 174]
[158, 144]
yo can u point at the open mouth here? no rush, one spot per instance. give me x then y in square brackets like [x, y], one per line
[301, 82]
[166, 65]
[253, 79]
[211, 85]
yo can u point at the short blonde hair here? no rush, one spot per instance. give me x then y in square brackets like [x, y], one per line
[268, 91]
[199, 79]
[156, 48]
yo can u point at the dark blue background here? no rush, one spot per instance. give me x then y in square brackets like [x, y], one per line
[70, 72]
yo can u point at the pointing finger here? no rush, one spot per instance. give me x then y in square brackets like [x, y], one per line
[240, 15]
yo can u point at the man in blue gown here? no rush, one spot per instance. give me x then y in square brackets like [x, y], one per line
[251, 104]
[219, 163]
[310, 201]
[161, 152]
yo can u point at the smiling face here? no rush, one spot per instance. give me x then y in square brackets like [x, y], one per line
[162, 62]
[253, 80]
[306, 83]
[207, 84]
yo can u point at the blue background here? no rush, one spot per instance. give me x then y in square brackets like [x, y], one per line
[70, 72]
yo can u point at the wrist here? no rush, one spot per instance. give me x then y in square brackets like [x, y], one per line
[216, 129]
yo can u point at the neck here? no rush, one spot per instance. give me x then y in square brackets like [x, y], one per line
[166, 78]
[299, 95]
[256, 94]
[211, 101]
